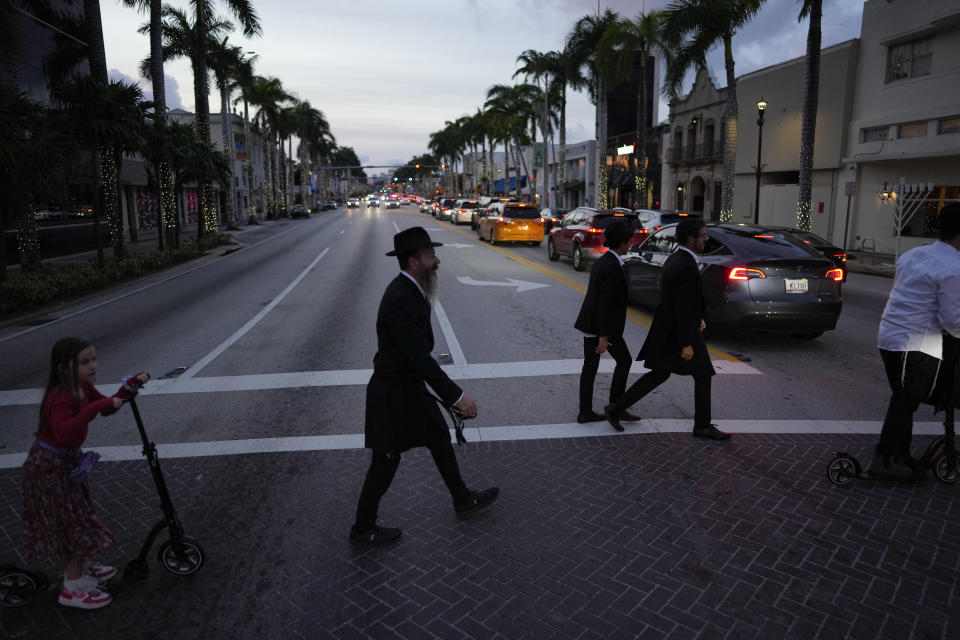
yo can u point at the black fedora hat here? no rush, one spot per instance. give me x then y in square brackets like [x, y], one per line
[616, 234]
[410, 240]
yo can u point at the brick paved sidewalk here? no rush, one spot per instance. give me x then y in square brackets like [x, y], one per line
[640, 536]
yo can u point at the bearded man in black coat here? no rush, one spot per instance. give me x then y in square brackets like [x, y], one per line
[401, 412]
[675, 341]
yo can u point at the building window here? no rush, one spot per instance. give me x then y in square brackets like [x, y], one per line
[949, 125]
[910, 59]
[874, 134]
[912, 130]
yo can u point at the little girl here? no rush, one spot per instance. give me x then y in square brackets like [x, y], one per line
[58, 516]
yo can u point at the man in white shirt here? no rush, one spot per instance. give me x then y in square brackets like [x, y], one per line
[924, 302]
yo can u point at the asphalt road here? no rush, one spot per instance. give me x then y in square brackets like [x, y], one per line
[276, 337]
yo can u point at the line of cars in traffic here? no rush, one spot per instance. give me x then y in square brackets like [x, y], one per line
[755, 277]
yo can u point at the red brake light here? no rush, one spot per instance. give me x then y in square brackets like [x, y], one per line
[763, 236]
[842, 256]
[657, 227]
[619, 215]
[743, 273]
[836, 274]
[594, 230]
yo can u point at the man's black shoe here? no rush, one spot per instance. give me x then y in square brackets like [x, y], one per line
[592, 416]
[612, 417]
[710, 432]
[626, 416]
[376, 535]
[477, 500]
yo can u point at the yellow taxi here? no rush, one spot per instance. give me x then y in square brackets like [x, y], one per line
[511, 222]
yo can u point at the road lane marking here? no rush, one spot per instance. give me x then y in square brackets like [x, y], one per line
[223, 346]
[452, 343]
[144, 288]
[642, 319]
[492, 434]
[521, 285]
[354, 377]
[395, 226]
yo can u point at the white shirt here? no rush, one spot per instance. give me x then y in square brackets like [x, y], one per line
[925, 299]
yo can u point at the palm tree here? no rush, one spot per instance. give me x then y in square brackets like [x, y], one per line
[584, 43]
[621, 46]
[182, 39]
[162, 186]
[539, 67]
[808, 128]
[269, 96]
[204, 24]
[316, 141]
[512, 108]
[690, 29]
[35, 155]
[107, 119]
[226, 61]
[243, 82]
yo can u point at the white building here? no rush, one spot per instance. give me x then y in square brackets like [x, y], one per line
[905, 119]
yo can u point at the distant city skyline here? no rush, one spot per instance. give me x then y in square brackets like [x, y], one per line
[386, 78]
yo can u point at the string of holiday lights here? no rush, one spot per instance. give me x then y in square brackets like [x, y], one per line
[602, 200]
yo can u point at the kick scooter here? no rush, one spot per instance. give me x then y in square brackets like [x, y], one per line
[941, 456]
[180, 554]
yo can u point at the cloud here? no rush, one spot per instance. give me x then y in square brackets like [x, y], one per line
[171, 87]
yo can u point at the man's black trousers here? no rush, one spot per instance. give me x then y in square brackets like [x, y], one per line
[591, 362]
[383, 466]
[653, 379]
[912, 376]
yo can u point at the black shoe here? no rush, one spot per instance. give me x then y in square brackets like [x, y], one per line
[710, 432]
[612, 417]
[591, 416]
[477, 500]
[626, 416]
[376, 535]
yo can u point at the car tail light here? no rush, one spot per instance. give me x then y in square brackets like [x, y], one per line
[743, 273]
[842, 256]
[502, 219]
[762, 236]
[657, 227]
[594, 230]
[835, 274]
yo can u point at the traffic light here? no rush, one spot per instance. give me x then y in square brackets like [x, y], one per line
[418, 166]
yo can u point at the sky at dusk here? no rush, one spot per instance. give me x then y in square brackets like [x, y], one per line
[388, 74]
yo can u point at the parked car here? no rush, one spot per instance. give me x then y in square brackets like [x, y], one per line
[837, 255]
[580, 235]
[463, 211]
[352, 203]
[300, 211]
[552, 217]
[444, 209]
[653, 219]
[511, 222]
[754, 278]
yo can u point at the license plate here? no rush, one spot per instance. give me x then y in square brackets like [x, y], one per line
[524, 228]
[796, 286]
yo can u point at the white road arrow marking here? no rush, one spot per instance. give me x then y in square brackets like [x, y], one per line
[521, 285]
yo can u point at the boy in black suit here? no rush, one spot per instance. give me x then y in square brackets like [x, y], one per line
[601, 320]
[674, 343]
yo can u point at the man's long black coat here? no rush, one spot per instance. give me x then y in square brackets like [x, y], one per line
[676, 323]
[604, 308]
[400, 412]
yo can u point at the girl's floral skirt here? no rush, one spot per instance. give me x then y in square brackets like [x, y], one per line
[59, 521]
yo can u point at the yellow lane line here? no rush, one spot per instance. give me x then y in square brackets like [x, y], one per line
[642, 319]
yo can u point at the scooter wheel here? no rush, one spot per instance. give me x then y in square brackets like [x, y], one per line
[942, 470]
[181, 558]
[843, 469]
[19, 587]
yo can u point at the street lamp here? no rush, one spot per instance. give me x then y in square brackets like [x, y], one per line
[761, 107]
